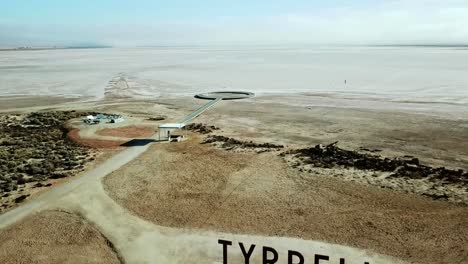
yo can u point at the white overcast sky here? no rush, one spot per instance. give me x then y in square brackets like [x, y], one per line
[145, 22]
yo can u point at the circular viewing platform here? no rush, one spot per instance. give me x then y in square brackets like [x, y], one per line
[225, 95]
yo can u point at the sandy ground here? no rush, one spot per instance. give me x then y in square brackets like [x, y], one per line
[127, 132]
[174, 202]
[55, 237]
[18, 103]
[189, 185]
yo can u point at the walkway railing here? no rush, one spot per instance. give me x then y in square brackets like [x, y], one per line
[199, 111]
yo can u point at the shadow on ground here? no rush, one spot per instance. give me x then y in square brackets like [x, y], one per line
[138, 142]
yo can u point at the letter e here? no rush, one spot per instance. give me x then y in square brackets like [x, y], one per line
[320, 257]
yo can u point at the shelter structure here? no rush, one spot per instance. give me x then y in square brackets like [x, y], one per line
[166, 130]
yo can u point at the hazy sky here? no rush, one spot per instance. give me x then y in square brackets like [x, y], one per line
[186, 22]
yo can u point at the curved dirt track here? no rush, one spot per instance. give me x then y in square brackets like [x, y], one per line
[139, 241]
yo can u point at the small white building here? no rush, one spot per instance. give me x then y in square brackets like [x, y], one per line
[90, 120]
[165, 130]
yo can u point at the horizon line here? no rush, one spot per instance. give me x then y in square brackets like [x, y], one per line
[43, 47]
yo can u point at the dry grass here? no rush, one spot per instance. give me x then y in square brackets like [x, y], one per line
[197, 186]
[54, 237]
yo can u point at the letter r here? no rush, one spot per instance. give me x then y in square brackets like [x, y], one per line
[291, 254]
[266, 260]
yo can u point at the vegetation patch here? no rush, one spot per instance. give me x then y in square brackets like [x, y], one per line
[331, 156]
[34, 148]
[402, 173]
[157, 118]
[232, 143]
[200, 128]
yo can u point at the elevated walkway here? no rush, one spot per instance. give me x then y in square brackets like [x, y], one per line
[199, 111]
[214, 97]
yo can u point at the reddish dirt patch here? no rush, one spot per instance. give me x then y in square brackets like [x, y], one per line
[74, 136]
[127, 132]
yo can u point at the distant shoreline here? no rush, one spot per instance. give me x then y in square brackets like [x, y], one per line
[27, 48]
[52, 48]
